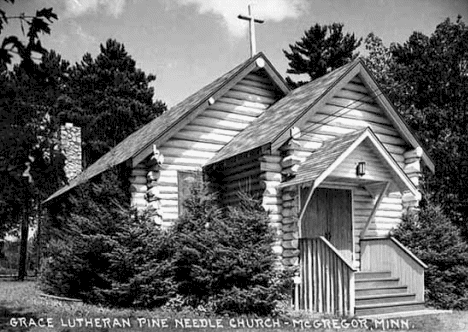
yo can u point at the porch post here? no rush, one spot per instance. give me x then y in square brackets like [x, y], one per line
[412, 168]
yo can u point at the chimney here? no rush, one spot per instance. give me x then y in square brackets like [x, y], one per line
[70, 147]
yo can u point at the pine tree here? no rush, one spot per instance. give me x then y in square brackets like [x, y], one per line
[320, 50]
[426, 78]
[224, 257]
[432, 237]
[109, 99]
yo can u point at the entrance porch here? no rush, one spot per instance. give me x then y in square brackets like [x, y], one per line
[350, 196]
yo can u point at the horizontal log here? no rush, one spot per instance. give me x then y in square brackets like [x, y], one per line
[380, 213]
[168, 204]
[257, 78]
[168, 196]
[271, 200]
[357, 80]
[212, 130]
[190, 161]
[197, 136]
[271, 159]
[138, 172]
[137, 195]
[357, 87]
[249, 97]
[167, 181]
[140, 188]
[180, 152]
[415, 153]
[257, 84]
[357, 96]
[223, 124]
[257, 91]
[276, 217]
[271, 176]
[168, 189]
[229, 116]
[359, 205]
[236, 109]
[138, 179]
[355, 114]
[246, 103]
[268, 166]
[187, 144]
[168, 173]
[354, 124]
[350, 103]
[275, 209]
[182, 168]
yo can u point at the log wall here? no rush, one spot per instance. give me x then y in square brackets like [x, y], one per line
[351, 109]
[193, 146]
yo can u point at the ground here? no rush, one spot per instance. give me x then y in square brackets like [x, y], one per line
[23, 309]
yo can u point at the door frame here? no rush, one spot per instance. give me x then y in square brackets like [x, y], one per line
[341, 186]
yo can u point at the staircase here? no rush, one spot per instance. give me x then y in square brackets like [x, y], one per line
[380, 293]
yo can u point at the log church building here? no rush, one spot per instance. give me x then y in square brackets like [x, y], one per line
[334, 164]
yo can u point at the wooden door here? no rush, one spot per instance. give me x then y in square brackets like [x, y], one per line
[329, 214]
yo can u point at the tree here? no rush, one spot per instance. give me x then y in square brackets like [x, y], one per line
[37, 24]
[427, 79]
[433, 238]
[109, 98]
[24, 127]
[224, 258]
[320, 50]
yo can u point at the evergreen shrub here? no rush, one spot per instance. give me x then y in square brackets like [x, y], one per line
[224, 258]
[213, 259]
[108, 254]
[433, 238]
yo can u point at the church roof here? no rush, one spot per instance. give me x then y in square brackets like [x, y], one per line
[325, 159]
[282, 115]
[270, 129]
[135, 143]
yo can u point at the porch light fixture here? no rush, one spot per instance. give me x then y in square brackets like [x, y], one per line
[361, 168]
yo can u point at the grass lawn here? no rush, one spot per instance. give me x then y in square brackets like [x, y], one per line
[21, 304]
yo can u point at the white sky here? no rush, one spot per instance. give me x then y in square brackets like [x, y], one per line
[189, 43]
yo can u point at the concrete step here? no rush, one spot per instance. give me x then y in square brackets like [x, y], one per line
[385, 298]
[384, 308]
[381, 290]
[376, 282]
[372, 274]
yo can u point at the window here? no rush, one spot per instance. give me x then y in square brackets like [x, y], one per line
[185, 180]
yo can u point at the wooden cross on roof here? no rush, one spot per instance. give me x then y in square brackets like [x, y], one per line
[252, 20]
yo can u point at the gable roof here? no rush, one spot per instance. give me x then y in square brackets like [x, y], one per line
[166, 124]
[324, 160]
[272, 127]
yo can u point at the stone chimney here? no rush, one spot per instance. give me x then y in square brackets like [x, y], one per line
[70, 147]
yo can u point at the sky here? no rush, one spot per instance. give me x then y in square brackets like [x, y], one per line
[189, 43]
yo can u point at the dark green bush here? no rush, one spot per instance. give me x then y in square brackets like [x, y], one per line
[433, 238]
[108, 254]
[219, 259]
[224, 258]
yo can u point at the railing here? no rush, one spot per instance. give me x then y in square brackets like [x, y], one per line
[327, 279]
[388, 254]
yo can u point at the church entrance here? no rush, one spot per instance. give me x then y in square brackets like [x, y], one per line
[329, 214]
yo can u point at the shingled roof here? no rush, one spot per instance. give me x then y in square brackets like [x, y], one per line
[325, 159]
[271, 126]
[140, 139]
[282, 115]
